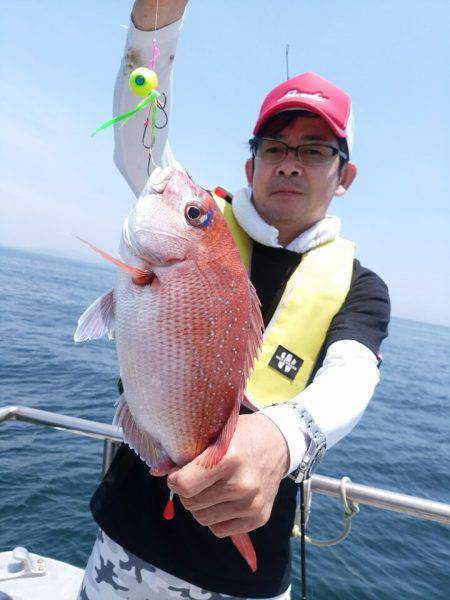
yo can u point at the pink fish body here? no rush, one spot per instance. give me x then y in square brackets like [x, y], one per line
[187, 325]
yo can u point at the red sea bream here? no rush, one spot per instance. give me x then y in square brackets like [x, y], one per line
[187, 325]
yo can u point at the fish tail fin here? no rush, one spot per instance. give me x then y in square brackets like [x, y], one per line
[244, 544]
[140, 277]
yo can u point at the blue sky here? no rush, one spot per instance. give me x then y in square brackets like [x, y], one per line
[58, 65]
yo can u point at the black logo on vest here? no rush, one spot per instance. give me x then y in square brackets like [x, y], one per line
[285, 362]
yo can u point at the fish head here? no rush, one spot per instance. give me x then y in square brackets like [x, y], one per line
[173, 220]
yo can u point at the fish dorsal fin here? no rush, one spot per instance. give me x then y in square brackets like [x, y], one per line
[97, 320]
[215, 452]
[256, 331]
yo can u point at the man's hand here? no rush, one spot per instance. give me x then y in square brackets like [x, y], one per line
[236, 495]
[144, 13]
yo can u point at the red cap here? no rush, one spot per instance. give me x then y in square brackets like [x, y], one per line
[309, 91]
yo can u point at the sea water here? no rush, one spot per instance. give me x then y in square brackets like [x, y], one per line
[47, 477]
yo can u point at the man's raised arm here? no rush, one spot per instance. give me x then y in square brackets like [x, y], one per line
[130, 155]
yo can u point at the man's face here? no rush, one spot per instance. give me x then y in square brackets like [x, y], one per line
[292, 197]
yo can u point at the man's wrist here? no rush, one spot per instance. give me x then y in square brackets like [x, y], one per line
[316, 442]
[305, 440]
[276, 441]
[282, 416]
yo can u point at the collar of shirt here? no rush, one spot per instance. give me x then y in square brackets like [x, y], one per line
[325, 230]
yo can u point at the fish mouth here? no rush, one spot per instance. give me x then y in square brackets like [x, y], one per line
[169, 234]
[153, 262]
[150, 258]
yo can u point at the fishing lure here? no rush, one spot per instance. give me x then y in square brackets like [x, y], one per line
[143, 82]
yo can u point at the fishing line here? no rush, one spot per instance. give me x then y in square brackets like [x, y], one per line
[169, 510]
[152, 110]
[156, 16]
[161, 106]
[302, 540]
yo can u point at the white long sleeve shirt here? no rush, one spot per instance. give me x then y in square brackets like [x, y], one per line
[344, 385]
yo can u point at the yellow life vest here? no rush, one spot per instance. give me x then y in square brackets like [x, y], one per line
[292, 340]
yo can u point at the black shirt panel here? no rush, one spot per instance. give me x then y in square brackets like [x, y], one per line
[271, 269]
[128, 506]
[129, 502]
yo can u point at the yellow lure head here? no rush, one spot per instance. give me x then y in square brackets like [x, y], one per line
[142, 81]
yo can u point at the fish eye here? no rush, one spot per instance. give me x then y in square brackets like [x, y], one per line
[197, 216]
[193, 212]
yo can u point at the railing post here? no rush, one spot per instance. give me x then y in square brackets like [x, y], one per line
[109, 451]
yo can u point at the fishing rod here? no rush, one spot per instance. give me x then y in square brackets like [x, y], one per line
[287, 61]
[302, 489]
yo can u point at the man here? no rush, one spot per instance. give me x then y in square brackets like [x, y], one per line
[332, 312]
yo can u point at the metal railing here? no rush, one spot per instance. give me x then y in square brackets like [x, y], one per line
[421, 508]
[110, 434]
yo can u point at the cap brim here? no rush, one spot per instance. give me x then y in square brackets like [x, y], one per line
[300, 104]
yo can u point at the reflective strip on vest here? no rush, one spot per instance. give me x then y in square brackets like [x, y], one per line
[292, 340]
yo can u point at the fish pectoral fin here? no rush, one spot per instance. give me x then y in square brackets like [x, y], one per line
[217, 450]
[97, 320]
[151, 451]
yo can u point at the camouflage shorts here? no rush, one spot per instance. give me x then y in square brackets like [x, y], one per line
[113, 572]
